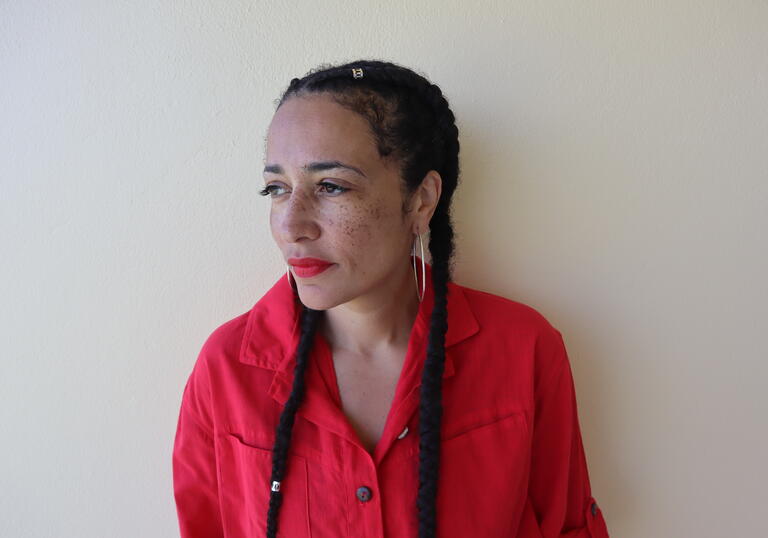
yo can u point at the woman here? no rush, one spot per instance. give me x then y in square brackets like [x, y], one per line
[300, 416]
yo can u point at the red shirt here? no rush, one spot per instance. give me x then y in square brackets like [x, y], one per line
[512, 464]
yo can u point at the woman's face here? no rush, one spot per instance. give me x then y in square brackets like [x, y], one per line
[350, 217]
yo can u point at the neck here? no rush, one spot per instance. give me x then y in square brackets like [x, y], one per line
[377, 321]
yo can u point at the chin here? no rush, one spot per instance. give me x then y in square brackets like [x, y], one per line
[314, 297]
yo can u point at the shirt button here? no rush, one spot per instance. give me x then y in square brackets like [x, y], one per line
[363, 494]
[404, 433]
[594, 509]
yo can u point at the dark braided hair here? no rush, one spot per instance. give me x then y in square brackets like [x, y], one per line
[413, 124]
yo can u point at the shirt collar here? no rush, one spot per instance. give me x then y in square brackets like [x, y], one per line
[272, 328]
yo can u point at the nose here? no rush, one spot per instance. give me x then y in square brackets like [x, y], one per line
[295, 219]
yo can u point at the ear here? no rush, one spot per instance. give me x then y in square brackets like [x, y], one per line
[425, 200]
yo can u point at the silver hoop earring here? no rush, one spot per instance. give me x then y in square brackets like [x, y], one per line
[423, 272]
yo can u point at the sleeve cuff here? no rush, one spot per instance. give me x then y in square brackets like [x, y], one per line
[596, 527]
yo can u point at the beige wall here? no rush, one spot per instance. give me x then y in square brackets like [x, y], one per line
[615, 163]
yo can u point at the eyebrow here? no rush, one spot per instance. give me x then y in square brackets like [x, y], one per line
[316, 167]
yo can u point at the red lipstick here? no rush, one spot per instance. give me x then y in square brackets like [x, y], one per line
[308, 267]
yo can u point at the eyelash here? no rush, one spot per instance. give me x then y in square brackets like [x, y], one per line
[268, 190]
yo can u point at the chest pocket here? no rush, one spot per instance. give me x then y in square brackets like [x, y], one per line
[244, 490]
[483, 475]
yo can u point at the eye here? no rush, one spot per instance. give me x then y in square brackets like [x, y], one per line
[330, 188]
[338, 188]
[268, 190]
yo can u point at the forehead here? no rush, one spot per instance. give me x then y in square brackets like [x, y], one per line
[315, 127]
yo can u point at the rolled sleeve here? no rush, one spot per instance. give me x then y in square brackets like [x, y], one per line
[560, 502]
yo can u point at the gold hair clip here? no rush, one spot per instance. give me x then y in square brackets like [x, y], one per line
[357, 72]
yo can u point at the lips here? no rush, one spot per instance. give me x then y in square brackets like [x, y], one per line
[308, 267]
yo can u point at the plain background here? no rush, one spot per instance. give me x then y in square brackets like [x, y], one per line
[614, 163]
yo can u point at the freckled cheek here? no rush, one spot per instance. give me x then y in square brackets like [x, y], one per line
[366, 225]
[351, 226]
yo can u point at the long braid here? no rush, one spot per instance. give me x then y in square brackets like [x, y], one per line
[309, 324]
[423, 138]
[430, 397]
[441, 248]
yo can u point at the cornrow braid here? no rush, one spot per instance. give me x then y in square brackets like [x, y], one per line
[412, 122]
